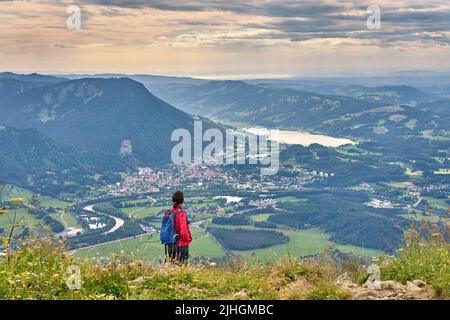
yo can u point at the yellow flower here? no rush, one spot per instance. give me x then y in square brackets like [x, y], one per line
[4, 210]
[17, 201]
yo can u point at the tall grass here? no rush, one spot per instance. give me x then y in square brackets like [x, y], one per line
[39, 271]
[425, 256]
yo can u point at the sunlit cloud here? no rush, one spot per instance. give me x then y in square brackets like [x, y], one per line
[199, 37]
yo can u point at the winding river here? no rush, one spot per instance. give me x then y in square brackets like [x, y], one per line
[118, 222]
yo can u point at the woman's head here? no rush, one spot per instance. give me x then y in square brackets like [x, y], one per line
[178, 198]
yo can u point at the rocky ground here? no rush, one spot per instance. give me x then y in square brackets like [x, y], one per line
[386, 290]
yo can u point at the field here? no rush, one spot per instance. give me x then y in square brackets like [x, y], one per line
[142, 212]
[260, 217]
[303, 243]
[150, 249]
[437, 203]
[35, 225]
[52, 202]
[136, 201]
[290, 199]
[16, 192]
[422, 217]
[67, 219]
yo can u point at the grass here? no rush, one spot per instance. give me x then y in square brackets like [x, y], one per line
[149, 248]
[16, 192]
[69, 219]
[290, 199]
[408, 171]
[421, 217]
[303, 243]
[46, 201]
[40, 271]
[351, 150]
[425, 257]
[260, 217]
[204, 203]
[400, 185]
[35, 225]
[52, 202]
[437, 203]
[142, 212]
[136, 201]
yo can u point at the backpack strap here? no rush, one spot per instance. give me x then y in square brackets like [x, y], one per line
[174, 217]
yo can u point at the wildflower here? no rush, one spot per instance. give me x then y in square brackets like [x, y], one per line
[17, 201]
[4, 210]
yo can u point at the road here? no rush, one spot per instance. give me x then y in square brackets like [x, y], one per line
[419, 199]
[130, 215]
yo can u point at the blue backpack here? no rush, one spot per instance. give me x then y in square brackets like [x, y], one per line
[168, 232]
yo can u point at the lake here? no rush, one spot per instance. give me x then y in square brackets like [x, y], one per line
[303, 138]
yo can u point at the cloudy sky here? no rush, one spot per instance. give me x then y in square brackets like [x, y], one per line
[218, 38]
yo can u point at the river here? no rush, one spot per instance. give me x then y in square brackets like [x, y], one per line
[118, 222]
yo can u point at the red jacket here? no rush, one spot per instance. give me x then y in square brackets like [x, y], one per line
[182, 226]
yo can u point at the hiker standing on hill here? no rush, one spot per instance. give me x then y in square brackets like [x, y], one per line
[175, 230]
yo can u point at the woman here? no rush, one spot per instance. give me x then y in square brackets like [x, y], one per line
[180, 251]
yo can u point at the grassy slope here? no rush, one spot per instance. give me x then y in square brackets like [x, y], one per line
[39, 271]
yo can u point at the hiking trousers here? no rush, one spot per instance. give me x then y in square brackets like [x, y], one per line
[178, 253]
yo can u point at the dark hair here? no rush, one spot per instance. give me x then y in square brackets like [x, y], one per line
[178, 198]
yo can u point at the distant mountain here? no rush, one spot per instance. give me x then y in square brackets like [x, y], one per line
[12, 84]
[32, 77]
[393, 95]
[10, 88]
[117, 116]
[33, 160]
[153, 83]
[373, 113]
[239, 101]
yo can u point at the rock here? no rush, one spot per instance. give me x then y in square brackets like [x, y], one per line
[344, 281]
[391, 294]
[412, 287]
[391, 285]
[420, 283]
[364, 295]
[241, 295]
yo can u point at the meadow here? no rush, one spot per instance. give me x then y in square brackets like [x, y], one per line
[149, 248]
